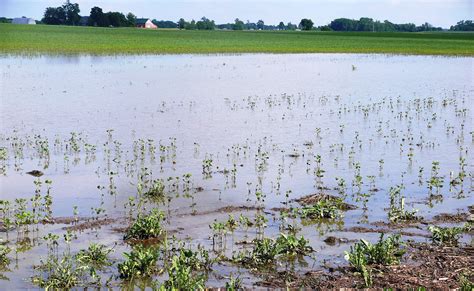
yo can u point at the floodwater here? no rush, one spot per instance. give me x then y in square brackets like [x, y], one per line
[262, 119]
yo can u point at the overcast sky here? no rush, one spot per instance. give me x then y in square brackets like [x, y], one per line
[437, 12]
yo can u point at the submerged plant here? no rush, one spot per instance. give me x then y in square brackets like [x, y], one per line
[233, 284]
[146, 226]
[397, 210]
[157, 190]
[4, 251]
[322, 209]
[60, 274]
[140, 262]
[265, 251]
[384, 252]
[181, 275]
[445, 235]
[96, 255]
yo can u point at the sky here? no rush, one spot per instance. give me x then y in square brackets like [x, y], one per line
[442, 13]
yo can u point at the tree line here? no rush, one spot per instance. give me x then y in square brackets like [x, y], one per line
[68, 14]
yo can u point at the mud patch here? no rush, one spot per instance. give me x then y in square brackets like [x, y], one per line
[423, 265]
[446, 217]
[227, 209]
[315, 198]
[91, 224]
[360, 229]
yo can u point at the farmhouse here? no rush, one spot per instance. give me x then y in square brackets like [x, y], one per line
[145, 23]
[23, 20]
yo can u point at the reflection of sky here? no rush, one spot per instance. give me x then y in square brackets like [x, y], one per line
[437, 12]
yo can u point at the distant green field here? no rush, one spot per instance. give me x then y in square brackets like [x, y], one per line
[33, 39]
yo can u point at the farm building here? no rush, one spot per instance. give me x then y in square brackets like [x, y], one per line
[145, 23]
[23, 20]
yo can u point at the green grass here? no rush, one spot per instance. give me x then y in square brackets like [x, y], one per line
[23, 39]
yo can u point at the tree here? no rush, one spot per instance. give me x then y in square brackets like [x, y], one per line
[281, 26]
[260, 25]
[165, 23]
[97, 17]
[190, 25]
[116, 19]
[71, 11]
[5, 20]
[238, 24]
[291, 26]
[54, 16]
[366, 24]
[181, 23]
[205, 24]
[131, 19]
[463, 25]
[306, 24]
[325, 28]
[250, 25]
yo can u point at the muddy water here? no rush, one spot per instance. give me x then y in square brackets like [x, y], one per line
[261, 119]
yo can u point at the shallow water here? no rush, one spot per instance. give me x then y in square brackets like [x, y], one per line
[265, 116]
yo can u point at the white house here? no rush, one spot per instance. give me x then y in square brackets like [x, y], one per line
[23, 20]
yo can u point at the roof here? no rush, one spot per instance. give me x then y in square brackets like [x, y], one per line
[23, 20]
[141, 20]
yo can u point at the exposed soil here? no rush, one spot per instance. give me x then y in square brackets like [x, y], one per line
[228, 209]
[447, 217]
[314, 198]
[90, 224]
[361, 229]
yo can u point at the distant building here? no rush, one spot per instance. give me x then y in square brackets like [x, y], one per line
[145, 23]
[84, 20]
[23, 20]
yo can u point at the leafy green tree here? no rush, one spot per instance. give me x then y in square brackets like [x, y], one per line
[344, 24]
[131, 19]
[250, 25]
[190, 25]
[463, 25]
[238, 24]
[260, 25]
[365, 24]
[54, 16]
[325, 28]
[165, 23]
[181, 23]
[205, 24]
[281, 26]
[291, 26]
[71, 11]
[97, 17]
[5, 20]
[306, 24]
[116, 19]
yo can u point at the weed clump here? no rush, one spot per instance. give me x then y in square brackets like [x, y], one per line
[445, 235]
[397, 212]
[182, 272]
[156, 191]
[140, 262]
[4, 251]
[146, 226]
[96, 255]
[384, 252]
[266, 250]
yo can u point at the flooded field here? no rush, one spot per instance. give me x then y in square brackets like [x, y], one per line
[235, 170]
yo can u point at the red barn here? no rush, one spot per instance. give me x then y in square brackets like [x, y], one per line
[145, 23]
